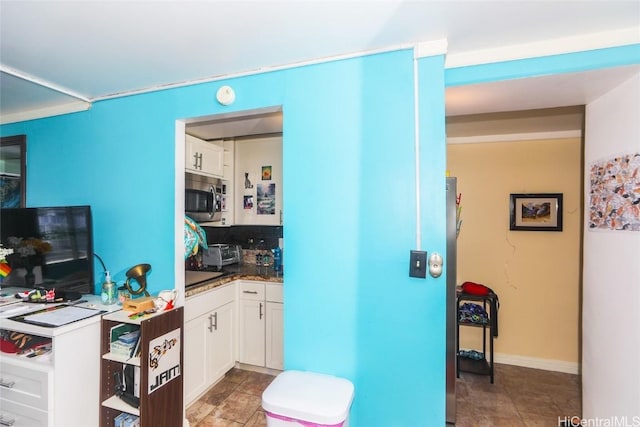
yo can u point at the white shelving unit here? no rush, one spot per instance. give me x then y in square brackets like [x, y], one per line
[163, 406]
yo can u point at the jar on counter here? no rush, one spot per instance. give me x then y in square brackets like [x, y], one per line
[123, 294]
[108, 292]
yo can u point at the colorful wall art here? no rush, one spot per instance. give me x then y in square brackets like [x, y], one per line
[266, 199]
[614, 193]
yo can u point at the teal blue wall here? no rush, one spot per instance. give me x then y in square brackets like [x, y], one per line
[356, 311]
[349, 206]
[349, 209]
[545, 65]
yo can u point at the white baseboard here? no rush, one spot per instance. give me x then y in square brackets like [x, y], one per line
[537, 363]
[260, 369]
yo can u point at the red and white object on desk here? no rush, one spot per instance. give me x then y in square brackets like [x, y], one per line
[166, 300]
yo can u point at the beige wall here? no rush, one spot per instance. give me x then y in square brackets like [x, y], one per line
[535, 274]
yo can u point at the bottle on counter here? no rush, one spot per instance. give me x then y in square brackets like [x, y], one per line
[109, 291]
[277, 258]
[266, 259]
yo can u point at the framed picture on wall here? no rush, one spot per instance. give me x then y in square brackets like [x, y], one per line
[536, 212]
[13, 171]
[266, 173]
[248, 202]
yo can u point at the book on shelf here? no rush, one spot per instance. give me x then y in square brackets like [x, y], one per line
[136, 351]
[123, 339]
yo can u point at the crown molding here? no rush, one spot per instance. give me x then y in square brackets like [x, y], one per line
[584, 42]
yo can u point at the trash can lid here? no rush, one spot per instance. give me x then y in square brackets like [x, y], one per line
[309, 396]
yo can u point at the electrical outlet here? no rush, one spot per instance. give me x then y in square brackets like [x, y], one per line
[418, 264]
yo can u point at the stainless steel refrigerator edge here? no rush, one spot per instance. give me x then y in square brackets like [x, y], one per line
[451, 312]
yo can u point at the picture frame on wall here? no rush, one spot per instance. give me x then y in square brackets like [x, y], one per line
[248, 202]
[13, 171]
[266, 173]
[535, 212]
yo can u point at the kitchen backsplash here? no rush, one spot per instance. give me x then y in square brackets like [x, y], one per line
[249, 256]
[250, 237]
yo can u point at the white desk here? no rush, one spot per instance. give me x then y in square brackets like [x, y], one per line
[60, 388]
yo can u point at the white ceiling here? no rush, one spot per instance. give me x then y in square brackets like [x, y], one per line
[95, 50]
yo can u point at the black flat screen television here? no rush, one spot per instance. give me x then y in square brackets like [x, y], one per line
[53, 247]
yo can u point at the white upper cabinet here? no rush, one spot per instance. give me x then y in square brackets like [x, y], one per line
[203, 158]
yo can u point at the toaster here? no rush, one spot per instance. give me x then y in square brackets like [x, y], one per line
[220, 254]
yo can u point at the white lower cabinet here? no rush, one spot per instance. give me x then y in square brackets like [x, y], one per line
[210, 339]
[240, 321]
[222, 349]
[261, 324]
[252, 323]
[274, 346]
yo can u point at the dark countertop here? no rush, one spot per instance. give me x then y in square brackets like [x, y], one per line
[236, 272]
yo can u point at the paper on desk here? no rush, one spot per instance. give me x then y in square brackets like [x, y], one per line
[16, 309]
[61, 316]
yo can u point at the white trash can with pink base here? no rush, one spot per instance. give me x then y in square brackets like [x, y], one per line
[308, 399]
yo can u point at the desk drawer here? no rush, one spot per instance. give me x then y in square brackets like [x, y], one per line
[23, 385]
[16, 415]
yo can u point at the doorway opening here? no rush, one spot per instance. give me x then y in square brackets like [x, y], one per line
[537, 275]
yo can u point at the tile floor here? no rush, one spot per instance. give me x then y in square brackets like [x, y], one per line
[235, 401]
[519, 397]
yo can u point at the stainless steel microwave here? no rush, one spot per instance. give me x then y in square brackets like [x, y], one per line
[202, 198]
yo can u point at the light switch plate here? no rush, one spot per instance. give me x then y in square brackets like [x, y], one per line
[418, 264]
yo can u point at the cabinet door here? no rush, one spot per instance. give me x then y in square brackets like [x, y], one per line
[212, 159]
[203, 157]
[221, 353]
[274, 337]
[196, 342]
[252, 332]
[192, 155]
